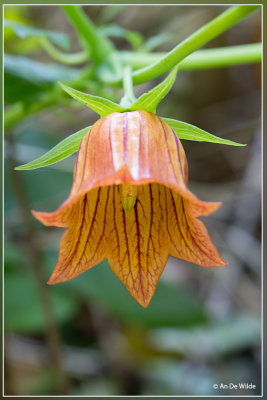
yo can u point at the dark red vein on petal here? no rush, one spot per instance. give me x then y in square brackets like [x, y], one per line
[103, 230]
[70, 255]
[95, 211]
[168, 150]
[167, 225]
[92, 223]
[114, 221]
[141, 205]
[189, 230]
[151, 220]
[138, 249]
[193, 239]
[177, 222]
[126, 240]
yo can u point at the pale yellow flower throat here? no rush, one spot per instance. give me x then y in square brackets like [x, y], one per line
[128, 195]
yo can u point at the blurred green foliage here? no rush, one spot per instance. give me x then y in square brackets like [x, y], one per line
[24, 31]
[32, 78]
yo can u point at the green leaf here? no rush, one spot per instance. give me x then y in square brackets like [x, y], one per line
[98, 104]
[150, 100]
[36, 72]
[24, 31]
[191, 132]
[62, 150]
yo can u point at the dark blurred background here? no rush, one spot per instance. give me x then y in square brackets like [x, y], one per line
[88, 336]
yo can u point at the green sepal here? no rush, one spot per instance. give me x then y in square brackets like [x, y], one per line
[62, 150]
[71, 144]
[150, 100]
[98, 104]
[147, 101]
[191, 132]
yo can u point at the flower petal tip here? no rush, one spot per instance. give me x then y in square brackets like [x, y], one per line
[54, 279]
[223, 264]
[211, 207]
[218, 262]
[56, 218]
[43, 217]
[143, 301]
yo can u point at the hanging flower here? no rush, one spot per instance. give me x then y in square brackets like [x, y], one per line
[130, 203]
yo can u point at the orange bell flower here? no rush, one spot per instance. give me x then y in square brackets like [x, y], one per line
[129, 203]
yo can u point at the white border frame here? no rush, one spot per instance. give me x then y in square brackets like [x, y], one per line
[262, 235]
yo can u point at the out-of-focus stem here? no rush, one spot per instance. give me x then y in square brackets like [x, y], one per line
[98, 45]
[129, 96]
[64, 58]
[201, 59]
[35, 260]
[205, 34]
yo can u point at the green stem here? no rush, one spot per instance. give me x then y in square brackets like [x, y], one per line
[202, 36]
[129, 97]
[64, 58]
[206, 58]
[224, 57]
[97, 44]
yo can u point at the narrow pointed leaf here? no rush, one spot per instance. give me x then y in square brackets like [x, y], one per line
[150, 100]
[98, 104]
[191, 132]
[62, 150]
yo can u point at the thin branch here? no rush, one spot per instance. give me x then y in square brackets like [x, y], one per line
[63, 58]
[99, 46]
[202, 36]
[206, 58]
[129, 96]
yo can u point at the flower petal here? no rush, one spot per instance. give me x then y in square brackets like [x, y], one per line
[137, 248]
[83, 244]
[189, 238]
[136, 148]
[60, 217]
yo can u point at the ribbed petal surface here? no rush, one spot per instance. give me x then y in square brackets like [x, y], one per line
[136, 148]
